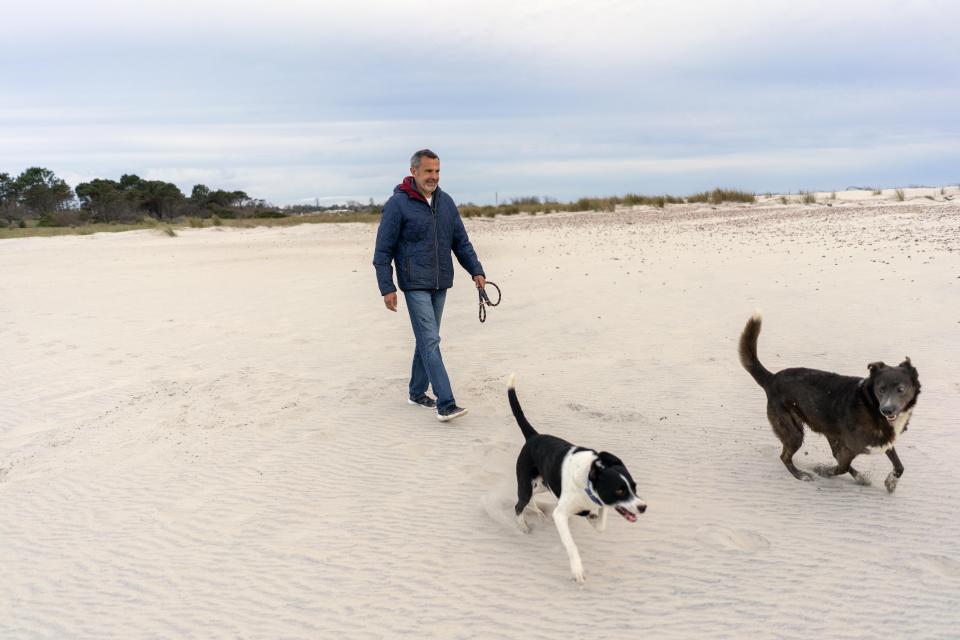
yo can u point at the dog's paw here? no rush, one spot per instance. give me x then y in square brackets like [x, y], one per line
[862, 480]
[522, 523]
[891, 482]
[806, 477]
[576, 570]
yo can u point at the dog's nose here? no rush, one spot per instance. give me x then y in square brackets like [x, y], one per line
[641, 508]
[887, 411]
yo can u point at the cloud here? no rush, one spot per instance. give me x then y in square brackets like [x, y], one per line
[309, 99]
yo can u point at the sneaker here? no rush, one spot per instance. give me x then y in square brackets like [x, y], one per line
[451, 412]
[423, 401]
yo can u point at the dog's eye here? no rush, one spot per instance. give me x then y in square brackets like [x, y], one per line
[900, 389]
[621, 491]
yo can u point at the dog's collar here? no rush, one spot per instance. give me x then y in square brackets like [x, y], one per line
[590, 494]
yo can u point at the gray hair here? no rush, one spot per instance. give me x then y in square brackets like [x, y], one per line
[423, 153]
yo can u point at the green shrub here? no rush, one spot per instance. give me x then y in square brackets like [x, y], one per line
[718, 196]
[65, 218]
[583, 204]
[633, 199]
[224, 213]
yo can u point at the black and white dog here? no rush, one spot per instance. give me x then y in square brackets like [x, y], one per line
[585, 482]
[856, 415]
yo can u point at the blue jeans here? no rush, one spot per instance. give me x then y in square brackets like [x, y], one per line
[426, 309]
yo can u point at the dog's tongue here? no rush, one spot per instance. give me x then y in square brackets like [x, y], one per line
[626, 514]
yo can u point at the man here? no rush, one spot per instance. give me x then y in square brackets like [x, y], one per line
[419, 227]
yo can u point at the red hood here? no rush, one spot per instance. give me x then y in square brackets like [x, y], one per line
[409, 187]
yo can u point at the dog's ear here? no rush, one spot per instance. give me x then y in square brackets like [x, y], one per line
[875, 366]
[609, 460]
[914, 374]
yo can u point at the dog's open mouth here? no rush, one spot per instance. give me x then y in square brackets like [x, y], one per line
[629, 515]
[893, 418]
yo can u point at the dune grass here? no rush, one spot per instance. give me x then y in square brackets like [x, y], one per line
[169, 228]
[31, 231]
[533, 206]
[718, 196]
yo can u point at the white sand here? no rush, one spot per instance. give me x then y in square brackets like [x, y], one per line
[207, 437]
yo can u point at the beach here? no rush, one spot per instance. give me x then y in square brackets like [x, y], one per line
[207, 435]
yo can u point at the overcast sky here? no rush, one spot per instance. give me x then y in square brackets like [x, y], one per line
[296, 100]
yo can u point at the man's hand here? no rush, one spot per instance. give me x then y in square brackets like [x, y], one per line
[391, 301]
[481, 281]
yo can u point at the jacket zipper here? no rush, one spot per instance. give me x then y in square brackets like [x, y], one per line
[436, 233]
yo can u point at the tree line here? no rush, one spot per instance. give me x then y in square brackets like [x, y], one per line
[38, 195]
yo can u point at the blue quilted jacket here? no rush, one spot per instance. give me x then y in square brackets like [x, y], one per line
[418, 238]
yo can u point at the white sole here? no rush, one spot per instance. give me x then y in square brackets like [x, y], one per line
[417, 404]
[451, 417]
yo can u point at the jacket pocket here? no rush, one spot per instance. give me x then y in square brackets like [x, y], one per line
[446, 267]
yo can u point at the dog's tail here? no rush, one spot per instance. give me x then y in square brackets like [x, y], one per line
[748, 351]
[525, 427]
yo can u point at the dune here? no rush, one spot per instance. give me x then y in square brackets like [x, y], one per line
[206, 436]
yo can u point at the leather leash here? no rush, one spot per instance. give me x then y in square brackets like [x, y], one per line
[484, 300]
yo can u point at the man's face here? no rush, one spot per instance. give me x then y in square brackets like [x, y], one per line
[427, 175]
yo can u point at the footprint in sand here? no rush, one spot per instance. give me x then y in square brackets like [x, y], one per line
[724, 539]
[625, 416]
[940, 565]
